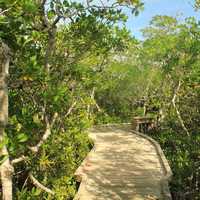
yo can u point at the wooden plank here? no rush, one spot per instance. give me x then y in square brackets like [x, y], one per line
[122, 166]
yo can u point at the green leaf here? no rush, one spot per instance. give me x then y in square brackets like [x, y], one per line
[3, 158]
[3, 143]
[30, 7]
[36, 119]
[18, 127]
[22, 137]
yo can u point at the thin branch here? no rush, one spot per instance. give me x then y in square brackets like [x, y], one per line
[146, 99]
[95, 102]
[98, 107]
[70, 108]
[56, 21]
[102, 3]
[103, 6]
[20, 159]
[39, 185]
[4, 11]
[88, 3]
[50, 46]
[59, 14]
[43, 15]
[46, 135]
[43, 2]
[177, 111]
[93, 98]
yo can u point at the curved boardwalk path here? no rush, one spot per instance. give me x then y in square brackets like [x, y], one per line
[123, 165]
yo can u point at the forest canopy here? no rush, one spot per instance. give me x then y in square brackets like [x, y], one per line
[74, 64]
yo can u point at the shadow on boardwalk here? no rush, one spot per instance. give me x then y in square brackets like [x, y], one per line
[122, 166]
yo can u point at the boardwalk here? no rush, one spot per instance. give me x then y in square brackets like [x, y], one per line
[122, 166]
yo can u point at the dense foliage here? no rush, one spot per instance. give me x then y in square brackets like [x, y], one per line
[72, 65]
[177, 54]
[58, 50]
[159, 77]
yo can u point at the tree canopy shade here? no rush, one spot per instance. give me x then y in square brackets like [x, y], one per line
[70, 66]
[58, 50]
[164, 84]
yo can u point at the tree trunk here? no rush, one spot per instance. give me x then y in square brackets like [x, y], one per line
[6, 169]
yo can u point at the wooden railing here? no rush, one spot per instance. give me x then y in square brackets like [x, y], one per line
[143, 124]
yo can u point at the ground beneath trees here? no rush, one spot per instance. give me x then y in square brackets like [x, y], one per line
[122, 166]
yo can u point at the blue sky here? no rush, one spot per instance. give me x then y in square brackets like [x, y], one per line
[160, 7]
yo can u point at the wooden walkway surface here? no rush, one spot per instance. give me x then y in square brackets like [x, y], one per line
[123, 166]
